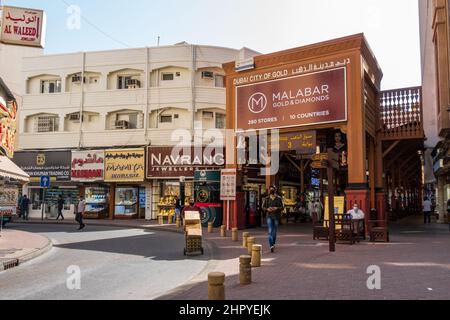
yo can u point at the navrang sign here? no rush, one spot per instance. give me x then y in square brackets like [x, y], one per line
[22, 26]
[302, 100]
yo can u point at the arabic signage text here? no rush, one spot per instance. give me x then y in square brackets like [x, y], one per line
[163, 162]
[54, 164]
[124, 165]
[88, 166]
[302, 142]
[23, 26]
[302, 100]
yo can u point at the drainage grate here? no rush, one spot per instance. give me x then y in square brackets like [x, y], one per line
[9, 264]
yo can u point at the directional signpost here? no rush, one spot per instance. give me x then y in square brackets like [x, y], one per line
[45, 184]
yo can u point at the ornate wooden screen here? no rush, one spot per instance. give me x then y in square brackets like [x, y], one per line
[401, 114]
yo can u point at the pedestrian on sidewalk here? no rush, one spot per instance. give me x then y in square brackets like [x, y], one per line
[427, 209]
[81, 207]
[60, 207]
[177, 209]
[273, 207]
[25, 207]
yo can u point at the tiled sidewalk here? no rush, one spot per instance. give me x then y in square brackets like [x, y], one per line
[415, 265]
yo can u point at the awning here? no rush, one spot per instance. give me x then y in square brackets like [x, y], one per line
[9, 170]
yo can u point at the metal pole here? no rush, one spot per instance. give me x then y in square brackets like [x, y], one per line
[331, 209]
[43, 204]
[1, 226]
[228, 215]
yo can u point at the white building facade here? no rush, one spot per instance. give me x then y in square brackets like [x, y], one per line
[120, 99]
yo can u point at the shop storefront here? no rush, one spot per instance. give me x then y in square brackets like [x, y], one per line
[317, 98]
[57, 166]
[124, 171]
[172, 175]
[88, 171]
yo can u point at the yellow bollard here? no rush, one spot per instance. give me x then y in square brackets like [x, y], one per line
[245, 236]
[216, 288]
[245, 270]
[250, 243]
[223, 231]
[210, 227]
[256, 255]
[235, 236]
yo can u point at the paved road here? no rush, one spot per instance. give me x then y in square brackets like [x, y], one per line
[115, 264]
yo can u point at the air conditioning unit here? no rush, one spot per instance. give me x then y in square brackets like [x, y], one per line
[122, 124]
[208, 75]
[74, 117]
[133, 84]
[77, 79]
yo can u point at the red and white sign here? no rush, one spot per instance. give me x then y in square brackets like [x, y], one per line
[228, 185]
[88, 166]
[22, 26]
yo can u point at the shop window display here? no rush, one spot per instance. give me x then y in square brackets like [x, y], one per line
[96, 202]
[127, 202]
[70, 197]
[170, 191]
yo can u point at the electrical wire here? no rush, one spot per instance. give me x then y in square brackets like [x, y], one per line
[98, 28]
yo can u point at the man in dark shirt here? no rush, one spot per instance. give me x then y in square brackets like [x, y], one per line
[191, 207]
[25, 207]
[60, 207]
[273, 207]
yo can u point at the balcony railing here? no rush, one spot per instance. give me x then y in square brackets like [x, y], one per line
[401, 114]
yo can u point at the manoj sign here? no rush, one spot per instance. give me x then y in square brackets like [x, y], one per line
[88, 166]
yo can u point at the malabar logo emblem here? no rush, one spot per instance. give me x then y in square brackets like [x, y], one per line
[257, 103]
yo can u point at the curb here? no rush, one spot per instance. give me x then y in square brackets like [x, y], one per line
[13, 263]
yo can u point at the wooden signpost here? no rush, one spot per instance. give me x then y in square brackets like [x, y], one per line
[330, 162]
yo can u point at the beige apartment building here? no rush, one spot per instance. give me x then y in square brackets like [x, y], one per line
[89, 112]
[128, 97]
[435, 50]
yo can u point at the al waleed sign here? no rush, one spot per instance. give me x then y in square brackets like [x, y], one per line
[22, 26]
[311, 99]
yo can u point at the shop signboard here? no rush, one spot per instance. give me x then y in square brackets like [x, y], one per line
[88, 166]
[22, 26]
[125, 165]
[228, 184]
[297, 101]
[167, 162]
[53, 164]
[301, 142]
[339, 208]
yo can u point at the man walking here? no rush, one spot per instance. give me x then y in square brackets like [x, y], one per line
[60, 207]
[427, 208]
[80, 212]
[273, 207]
[25, 207]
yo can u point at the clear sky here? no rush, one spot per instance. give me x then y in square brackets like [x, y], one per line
[391, 26]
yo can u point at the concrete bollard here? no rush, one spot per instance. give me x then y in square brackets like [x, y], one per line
[245, 236]
[256, 255]
[216, 288]
[178, 221]
[250, 243]
[160, 220]
[223, 231]
[235, 236]
[210, 227]
[245, 270]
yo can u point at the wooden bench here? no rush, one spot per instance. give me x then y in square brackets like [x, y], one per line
[320, 230]
[345, 229]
